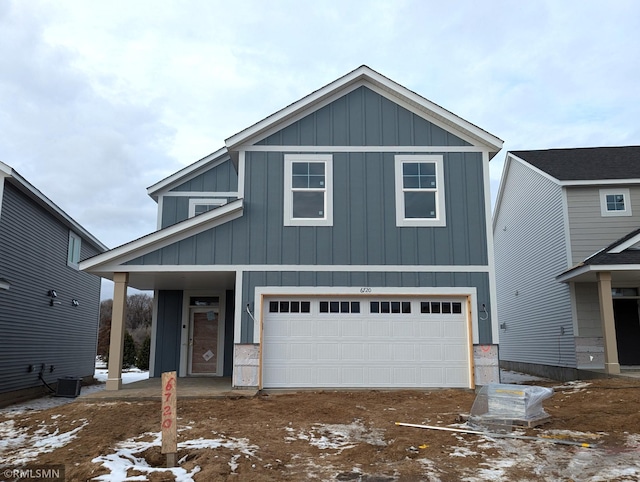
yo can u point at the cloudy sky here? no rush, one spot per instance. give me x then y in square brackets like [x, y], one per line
[101, 99]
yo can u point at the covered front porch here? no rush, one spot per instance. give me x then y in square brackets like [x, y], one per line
[618, 302]
[193, 322]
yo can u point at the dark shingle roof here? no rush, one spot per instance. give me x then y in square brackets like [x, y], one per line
[587, 163]
[628, 256]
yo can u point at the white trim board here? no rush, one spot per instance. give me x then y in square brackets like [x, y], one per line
[117, 268]
[330, 149]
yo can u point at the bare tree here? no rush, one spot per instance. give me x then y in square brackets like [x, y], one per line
[138, 322]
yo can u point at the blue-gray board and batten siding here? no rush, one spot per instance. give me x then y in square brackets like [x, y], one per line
[221, 178]
[364, 220]
[33, 258]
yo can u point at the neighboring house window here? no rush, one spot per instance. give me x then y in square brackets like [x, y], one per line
[201, 206]
[308, 190]
[615, 202]
[419, 191]
[73, 253]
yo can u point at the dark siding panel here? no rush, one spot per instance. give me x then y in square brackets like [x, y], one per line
[168, 332]
[33, 257]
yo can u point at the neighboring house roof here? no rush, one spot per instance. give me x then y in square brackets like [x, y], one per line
[586, 164]
[12, 176]
[621, 255]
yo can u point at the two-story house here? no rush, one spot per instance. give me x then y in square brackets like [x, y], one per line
[567, 253]
[344, 241]
[48, 308]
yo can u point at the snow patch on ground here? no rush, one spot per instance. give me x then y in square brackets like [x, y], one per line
[18, 446]
[340, 436]
[127, 456]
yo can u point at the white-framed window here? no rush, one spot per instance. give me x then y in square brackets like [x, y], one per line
[73, 252]
[615, 202]
[419, 190]
[201, 206]
[308, 190]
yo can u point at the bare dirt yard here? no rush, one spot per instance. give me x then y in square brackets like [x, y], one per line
[328, 435]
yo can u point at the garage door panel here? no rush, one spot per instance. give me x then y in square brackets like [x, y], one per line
[403, 352]
[329, 327]
[352, 376]
[379, 352]
[430, 329]
[328, 351]
[403, 329]
[352, 351]
[303, 351]
[353, 328]
[377, 328]
[455, 352]
[358, 348]
[379, 377]
[454, 330]
[430, 352]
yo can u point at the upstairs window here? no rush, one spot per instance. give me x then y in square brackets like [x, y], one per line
[308, 190]
[615, 202]
[419, 191]
[73, 252]
[201, 206]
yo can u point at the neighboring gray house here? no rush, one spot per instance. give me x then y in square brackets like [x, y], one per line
[567, 250]
[343, 241]
[48, 308]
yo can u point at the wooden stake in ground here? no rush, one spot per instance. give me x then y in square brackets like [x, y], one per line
[169, 417]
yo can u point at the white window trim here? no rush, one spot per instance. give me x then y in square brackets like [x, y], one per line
[73, 258]
[289, 220]
[201, 201]
[603, 202]
[440, 219]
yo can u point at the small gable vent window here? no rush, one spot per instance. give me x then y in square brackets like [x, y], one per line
[201, 206]
[73, 253]
[615, 202]
[308, 190]
[419, 191]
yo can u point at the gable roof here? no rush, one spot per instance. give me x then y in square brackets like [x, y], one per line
[364, 75]
[586, 163]
[34, 193]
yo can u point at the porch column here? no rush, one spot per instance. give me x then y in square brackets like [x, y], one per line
[116, 344]
[611, 364]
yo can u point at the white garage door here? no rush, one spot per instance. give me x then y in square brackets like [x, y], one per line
[365, 342]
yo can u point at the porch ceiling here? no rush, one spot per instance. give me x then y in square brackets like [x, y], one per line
[181, 280]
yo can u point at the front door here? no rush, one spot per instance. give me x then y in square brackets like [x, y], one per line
[627, 331]
[205, 341]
